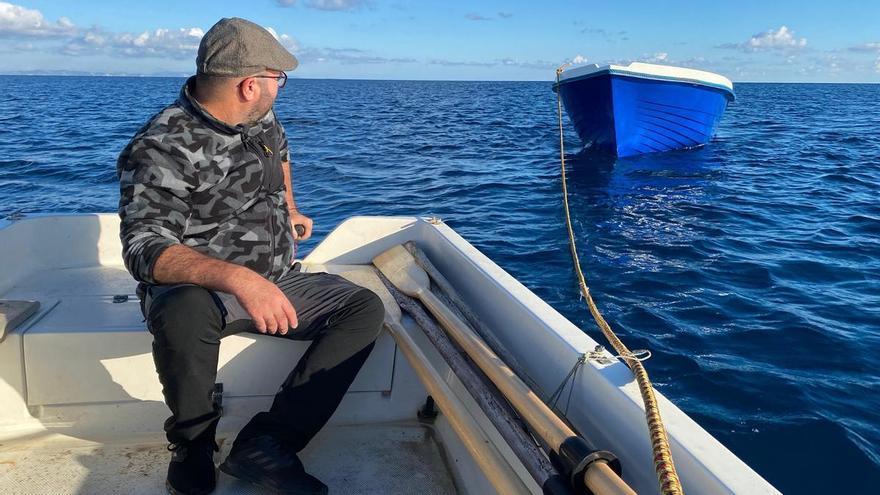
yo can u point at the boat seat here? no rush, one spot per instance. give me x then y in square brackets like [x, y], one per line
[12, 313]
[88, 343]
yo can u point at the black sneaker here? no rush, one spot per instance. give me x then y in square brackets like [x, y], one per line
[191, 470]
[265, 462]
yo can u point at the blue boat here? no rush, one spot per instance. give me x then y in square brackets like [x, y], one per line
[643, 108]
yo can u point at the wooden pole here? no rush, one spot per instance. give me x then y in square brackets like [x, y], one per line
[491, 462]
[401, 269]
[487, 396]
[449, 294]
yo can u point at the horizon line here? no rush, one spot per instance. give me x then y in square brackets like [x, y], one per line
[170, 76]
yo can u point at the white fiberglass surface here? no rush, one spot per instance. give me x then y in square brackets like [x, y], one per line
[640, 69]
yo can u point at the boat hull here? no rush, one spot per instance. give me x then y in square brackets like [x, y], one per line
[626, 115]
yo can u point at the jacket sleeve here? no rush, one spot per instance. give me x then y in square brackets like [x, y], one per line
[154, 205]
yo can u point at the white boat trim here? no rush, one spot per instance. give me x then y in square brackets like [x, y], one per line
[649, 71]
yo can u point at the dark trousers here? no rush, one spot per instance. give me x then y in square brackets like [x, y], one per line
[187, 322]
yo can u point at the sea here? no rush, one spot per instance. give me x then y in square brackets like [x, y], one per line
[749, 267]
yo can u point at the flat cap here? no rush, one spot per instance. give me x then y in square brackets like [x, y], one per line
[238, 47]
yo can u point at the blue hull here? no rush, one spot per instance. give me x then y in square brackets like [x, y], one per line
[628, 116]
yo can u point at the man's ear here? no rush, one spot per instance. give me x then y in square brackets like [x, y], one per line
[249, 89]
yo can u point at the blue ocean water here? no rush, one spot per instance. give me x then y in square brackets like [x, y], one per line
[750, 267]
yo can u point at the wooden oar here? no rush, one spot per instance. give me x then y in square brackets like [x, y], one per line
[585, 466]
[455, 302]
[493, 465]
[491, 401]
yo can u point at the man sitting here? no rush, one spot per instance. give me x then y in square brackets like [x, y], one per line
[208, 218]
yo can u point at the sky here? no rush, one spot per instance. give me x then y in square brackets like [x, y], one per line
[745, 40]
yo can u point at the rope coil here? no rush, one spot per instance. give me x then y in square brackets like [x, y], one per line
[663, 464]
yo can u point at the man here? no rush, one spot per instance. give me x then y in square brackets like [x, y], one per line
[207, 210]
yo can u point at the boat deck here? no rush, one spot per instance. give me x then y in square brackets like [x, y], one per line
[390, 458]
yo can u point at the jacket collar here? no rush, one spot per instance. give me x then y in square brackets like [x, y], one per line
[192, 106]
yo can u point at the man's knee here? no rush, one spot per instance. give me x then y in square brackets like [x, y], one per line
[367, 311]
[184, 314]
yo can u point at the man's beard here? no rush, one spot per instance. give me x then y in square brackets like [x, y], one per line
[260, 109]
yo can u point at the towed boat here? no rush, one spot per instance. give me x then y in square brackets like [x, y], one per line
[643, 108]
[82, 404]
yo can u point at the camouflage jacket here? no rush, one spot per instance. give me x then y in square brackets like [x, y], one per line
[188, 178]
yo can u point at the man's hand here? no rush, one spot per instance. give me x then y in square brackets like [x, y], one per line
[268, 307]
[297, 218]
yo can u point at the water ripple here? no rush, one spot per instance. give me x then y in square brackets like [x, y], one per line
[751, 267]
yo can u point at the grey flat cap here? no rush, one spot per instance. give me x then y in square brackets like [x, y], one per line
[237, 47]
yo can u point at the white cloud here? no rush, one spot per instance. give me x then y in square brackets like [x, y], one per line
[473, 16]
[348, 56]
[287, 41]
[21, 24]
[825, 64]
[579, 59]
[611, 36]
[866, 47]
[504, 62]
[658, 57]
[16, 21]
[781, 39]
[325, 4]
[335, 4]
[476, 17]
[173, 43]
[455, 63]
[543, 65]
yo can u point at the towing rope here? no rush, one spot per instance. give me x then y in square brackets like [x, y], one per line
[663, 465]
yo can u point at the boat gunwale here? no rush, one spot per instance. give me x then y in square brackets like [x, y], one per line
[611, 71]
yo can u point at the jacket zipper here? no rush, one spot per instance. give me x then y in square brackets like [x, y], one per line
[260, 147]
[272, 235]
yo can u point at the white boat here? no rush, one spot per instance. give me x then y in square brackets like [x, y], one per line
[82, 407]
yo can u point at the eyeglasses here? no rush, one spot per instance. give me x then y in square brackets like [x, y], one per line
[282, 79]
